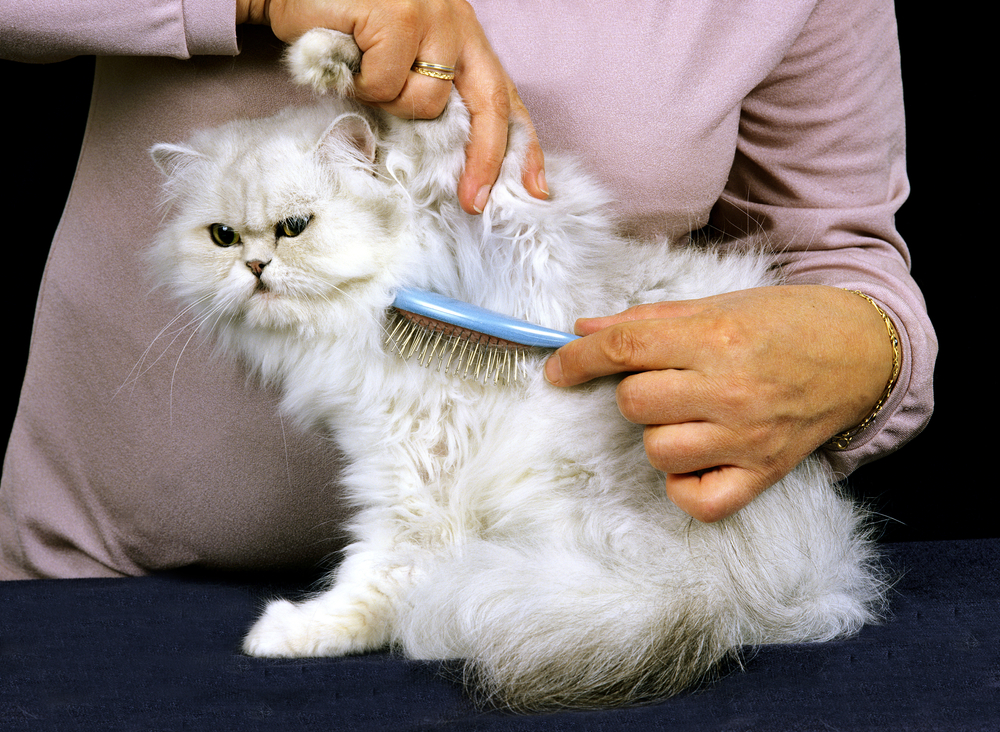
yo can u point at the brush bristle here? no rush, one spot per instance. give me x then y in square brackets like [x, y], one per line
[453, 350]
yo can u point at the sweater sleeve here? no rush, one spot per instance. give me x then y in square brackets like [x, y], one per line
[49, 30]
[820, 171]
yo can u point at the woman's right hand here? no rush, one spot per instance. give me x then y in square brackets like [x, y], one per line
[392, 34]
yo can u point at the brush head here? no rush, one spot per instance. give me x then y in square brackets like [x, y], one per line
[463, 339]
[480, 320]
[456, 350]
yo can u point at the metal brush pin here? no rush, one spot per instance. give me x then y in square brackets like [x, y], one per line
[464, 340]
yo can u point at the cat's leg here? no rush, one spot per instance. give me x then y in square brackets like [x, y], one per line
[326, 60]
[356, 614]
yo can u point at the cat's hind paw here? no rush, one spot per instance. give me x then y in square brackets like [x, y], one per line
[326, 60]
[289, 630]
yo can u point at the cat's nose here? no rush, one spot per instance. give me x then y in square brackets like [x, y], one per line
[257, 266]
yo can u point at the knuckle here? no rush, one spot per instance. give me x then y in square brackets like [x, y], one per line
[656, 447]
[734, 398]
[487, 98]
[673, 451]
[499, 101]
[427, 106]
[630, 396]
[706, 501]
[378, 88]
[406, 15]
[727, 334]
[623, 346]
[489, 158]
[489, 134]
[643, 311]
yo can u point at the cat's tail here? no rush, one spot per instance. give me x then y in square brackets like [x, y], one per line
[544, 628]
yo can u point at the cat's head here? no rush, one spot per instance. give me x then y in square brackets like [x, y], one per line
[281, 223]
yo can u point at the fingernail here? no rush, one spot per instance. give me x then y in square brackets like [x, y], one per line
[479, 204]
[542, 184]
[553, 369]
[586, 326]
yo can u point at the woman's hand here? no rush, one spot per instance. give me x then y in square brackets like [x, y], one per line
[392, 34]
[736, 389]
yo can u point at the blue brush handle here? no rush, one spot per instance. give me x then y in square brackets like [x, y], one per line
[481, 320]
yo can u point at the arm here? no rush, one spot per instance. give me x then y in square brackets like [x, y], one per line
[821, 168]
[392, 35]
[49, 31]
[736, 390]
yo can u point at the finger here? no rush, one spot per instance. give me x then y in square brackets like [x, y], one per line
[687, 447]
[489, 112]
[423, 96]
[641, 345]
[664, 396]
[533, 175]
[714, 494]
[646, 311]
[385, 63]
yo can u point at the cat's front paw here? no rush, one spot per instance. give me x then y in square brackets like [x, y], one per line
[278, 633]
[289, 630]
[326, 60]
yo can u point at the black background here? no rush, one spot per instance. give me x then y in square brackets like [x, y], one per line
[933, 488]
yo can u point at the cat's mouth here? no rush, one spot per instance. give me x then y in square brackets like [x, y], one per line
[261, 288]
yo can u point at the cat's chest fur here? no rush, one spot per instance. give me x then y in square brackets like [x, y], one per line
[455, 443]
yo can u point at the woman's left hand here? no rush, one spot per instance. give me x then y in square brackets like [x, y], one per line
[392, 34]
[735, 389]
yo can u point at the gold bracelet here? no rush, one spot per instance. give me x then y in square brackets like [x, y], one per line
[843, 440]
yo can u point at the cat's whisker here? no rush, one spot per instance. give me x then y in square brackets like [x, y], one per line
[173, 374]
[141, 367]
[217, 311]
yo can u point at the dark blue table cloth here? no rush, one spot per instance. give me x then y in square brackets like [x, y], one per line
[162, 653]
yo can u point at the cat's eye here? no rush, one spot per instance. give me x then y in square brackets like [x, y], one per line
[292, 226]
[224, 236]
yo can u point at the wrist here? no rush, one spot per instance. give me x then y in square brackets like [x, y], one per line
[255, 12]
[890, 337]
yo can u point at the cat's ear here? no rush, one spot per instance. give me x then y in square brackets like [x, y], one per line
[172, 158]
[352, 134]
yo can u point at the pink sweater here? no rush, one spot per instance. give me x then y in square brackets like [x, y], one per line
[778, 115]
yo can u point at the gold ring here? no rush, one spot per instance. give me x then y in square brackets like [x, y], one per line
[435, 71]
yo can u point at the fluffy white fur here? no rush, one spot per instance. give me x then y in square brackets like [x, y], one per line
[519, 527]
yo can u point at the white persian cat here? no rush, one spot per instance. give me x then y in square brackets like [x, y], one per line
[514, 525]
